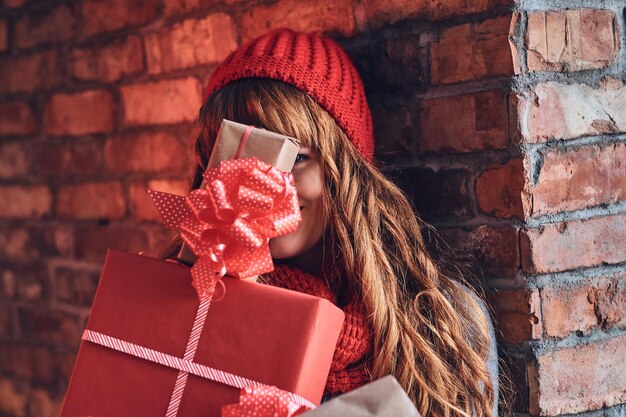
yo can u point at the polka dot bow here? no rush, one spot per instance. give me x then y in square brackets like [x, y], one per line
[263, 401]
[227, 223]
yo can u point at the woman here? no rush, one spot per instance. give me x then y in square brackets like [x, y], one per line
[359, 243]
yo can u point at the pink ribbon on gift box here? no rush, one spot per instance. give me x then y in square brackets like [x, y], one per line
[227, 224]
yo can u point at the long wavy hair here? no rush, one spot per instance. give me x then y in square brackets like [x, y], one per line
[429, 332]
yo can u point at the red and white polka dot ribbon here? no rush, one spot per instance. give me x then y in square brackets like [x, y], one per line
[229, 222]
[265, 401]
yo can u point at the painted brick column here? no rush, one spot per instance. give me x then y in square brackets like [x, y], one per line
[564, 319]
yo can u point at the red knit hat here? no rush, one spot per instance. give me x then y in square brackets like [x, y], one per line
[312, 63]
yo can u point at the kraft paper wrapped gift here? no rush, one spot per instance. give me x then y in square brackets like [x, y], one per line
[232, 142]
[382, 398]
[269, 335]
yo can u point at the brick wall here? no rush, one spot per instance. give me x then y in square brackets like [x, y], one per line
[505, 122]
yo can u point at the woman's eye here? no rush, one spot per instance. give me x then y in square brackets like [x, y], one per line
[301, 157]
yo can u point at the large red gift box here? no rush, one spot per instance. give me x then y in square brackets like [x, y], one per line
[267, 334]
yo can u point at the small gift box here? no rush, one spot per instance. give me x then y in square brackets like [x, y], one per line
[135, 350]
[382, 398]
[238, 141]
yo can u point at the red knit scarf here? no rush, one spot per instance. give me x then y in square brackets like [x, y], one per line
[351, 364]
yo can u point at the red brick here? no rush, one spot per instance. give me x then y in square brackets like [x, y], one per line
[109, 15]
[28, 73]
[49, 327]
[143, 207]
[489, 251]
[6, 320]
[30, 280]
[436, 195]
[22, 202]
[162, 102]
[7, 291]
[45, 25]
[14, 160]
[472, 51]
[35, 241]
[92, 242]
[153, 152]
[322, 16]
[499, 190]
[33, 362]
[4, 35]
[381, 12]
[572, 40]
[563, 111]
[104, 200]
[191, 43]
[518, 314]
[75, 285]
[119, 59]
[41, 403]
[17, 118]
[578, 178]
[59, 160]
[480, 122]
[13, 4]
[584, 307]
[14, 397]
[580, 378]
[79, 113]
[178, 7]
[580, 243]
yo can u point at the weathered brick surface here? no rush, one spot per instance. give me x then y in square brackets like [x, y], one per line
[4, 35]
[518, 315]
[143, 207]
[27, 73]
[92, 242]
[436, 195]
[472, 51]
[584, 307]
[6, 319]
[146, 152]
[489, 251]
[17, 118]
[121, 58]
[580, 243]
[22, 202]
[191, 43]
[35, 241]
[65, 160]
[49, 327]
[108, 15]
[580, 378]
[382, 12]
[79, 113]
[14, 160]
[499, 189]
[162, 102]
[42, 403]
[37, 363]
[572, 40]
[325, 15]
[561, 111]
[45, 25]
[480, 122]
[578, 178]
[13, 3]
[104, 200]
[76, 285]
[14, 397]
[26, 281]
